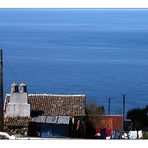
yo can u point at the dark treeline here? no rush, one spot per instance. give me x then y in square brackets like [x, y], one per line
[138, 117]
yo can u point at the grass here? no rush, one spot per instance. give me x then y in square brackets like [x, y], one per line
[145, 135]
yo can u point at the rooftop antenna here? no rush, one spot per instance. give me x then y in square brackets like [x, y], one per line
[1, 91]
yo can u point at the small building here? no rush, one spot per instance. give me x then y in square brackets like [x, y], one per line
[44, 115]
[112, 122]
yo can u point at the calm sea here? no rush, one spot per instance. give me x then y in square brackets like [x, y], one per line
[98, 52]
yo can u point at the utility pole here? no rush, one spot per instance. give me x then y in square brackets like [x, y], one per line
[1, 91]
[109, 106]
[123, 111]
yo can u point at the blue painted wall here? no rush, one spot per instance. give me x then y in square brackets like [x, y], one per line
[54, 130]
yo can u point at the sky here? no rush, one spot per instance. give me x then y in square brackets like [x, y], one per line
[73, 3]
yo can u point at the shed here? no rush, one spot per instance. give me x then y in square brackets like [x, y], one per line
[112, 122]
[53, 126]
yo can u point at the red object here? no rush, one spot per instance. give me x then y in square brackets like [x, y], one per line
[111, 122]
[108, 132]
[98, 130]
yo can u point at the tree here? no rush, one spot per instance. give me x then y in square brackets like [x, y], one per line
[139, 117]
[94, 112]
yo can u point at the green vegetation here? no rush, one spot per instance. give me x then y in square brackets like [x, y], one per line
[145, 135]
[139, 117]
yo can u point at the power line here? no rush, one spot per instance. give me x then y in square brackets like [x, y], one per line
[11, 70]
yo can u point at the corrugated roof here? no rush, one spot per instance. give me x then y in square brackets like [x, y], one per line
[63, 119]
[52, 119]
[39, 119]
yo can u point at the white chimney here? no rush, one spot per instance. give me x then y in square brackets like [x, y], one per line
[14, 87]
[23, 87]
[18, 104]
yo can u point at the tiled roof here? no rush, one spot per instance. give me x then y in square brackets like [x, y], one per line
[49, 105]
[53, 105]
[16, 121]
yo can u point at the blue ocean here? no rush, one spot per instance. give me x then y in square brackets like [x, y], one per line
[102, 53]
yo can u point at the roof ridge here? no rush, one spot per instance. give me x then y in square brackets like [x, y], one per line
[56, 95]
[39, 94]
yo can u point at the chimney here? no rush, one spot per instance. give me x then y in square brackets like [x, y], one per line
[18, 104]
[23, 87]
[14, 88]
